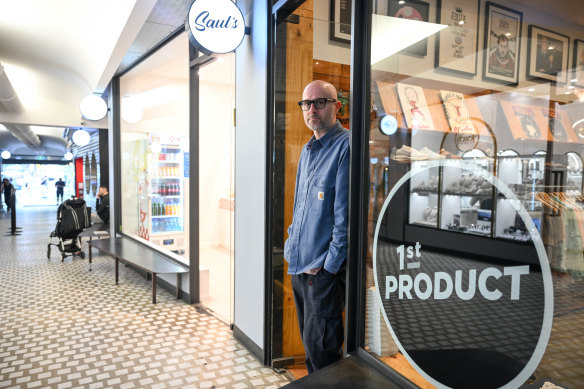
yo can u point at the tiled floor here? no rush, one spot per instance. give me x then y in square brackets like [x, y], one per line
[63, 327]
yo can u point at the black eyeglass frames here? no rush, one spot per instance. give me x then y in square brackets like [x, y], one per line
[318, 103]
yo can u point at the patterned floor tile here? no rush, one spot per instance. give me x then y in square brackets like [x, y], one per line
[62, 326]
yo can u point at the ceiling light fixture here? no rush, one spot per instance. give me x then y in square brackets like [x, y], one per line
[68, 156]
[81, 137]
[6, 154]
[93, 107]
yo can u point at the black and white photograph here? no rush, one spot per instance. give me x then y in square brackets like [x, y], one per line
[340, 21]
[547, 55]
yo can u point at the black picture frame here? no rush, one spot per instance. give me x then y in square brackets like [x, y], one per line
[502, 29]
[457, 13]
[340, 21]
[551, 64]
[578, 62]
[414, 10]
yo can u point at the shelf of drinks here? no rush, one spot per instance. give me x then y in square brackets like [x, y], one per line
[165, 196]
[166, 177]
[159, 161]
[166, 216]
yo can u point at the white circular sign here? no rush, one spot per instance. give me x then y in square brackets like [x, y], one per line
[215, 26]
[442, 309]
[93, 107]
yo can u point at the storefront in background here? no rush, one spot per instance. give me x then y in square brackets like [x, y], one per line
[162, 146]
[466, 227]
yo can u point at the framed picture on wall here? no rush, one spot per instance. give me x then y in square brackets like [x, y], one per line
[412, 10]
[547, 55]
[578, 66]
[340, 21]
[457, 45]
[502, 44]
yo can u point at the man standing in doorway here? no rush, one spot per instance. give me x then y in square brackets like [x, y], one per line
[60, 187]
[316, 247]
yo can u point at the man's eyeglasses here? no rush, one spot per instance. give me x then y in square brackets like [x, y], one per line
[318, 103]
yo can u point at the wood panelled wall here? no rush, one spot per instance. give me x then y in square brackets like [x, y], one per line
[298, 74]
[301, 69]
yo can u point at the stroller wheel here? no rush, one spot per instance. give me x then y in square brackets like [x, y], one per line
[63, 255]
[48, 251]
[82, 255]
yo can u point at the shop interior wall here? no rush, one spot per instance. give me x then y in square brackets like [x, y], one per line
[215, 160]
[250, 168]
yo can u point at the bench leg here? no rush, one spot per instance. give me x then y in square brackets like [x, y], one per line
[153, 288]
[89, 249]
[117, 271]
[178, 285]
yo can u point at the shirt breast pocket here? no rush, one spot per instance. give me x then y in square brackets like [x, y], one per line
[322, 195]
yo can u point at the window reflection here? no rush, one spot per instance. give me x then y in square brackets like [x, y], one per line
[483, 163]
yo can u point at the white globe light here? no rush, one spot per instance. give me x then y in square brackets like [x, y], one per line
[132, 111]
[6, 154]
[68, 156]
[93, 107]
[81, 137]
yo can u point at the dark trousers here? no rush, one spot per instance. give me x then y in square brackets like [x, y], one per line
[319, 306]
[59, 194]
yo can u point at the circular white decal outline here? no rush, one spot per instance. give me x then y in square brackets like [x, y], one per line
[201, 38]
[546, 327]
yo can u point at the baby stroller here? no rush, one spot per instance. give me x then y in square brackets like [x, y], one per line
[72, 218]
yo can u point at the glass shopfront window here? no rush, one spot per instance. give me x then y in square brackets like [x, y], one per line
[154, 147]
[475, 261]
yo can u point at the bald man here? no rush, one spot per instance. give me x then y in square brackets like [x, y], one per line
[316, 247]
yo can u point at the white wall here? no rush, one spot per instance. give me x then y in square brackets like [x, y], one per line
[216, 121]
[250, 167]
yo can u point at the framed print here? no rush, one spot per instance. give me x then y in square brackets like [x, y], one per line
[547, 55]
[412, 10]
[578, 67]
[340, 21]
[502, 44]
[414, 107]
[457, 45]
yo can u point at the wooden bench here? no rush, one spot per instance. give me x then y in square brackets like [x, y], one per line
[144, 258]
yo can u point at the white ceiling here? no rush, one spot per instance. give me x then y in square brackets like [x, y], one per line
[55, 52]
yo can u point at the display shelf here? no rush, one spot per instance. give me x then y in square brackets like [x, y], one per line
[163, 207]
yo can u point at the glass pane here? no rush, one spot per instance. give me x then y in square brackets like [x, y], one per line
[216, 185]
[154, 147]
[303, 53]
[475, 264]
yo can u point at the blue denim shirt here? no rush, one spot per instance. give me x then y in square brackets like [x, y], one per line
[318, 234]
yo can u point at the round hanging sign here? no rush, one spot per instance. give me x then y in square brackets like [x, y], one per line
[215, 26]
